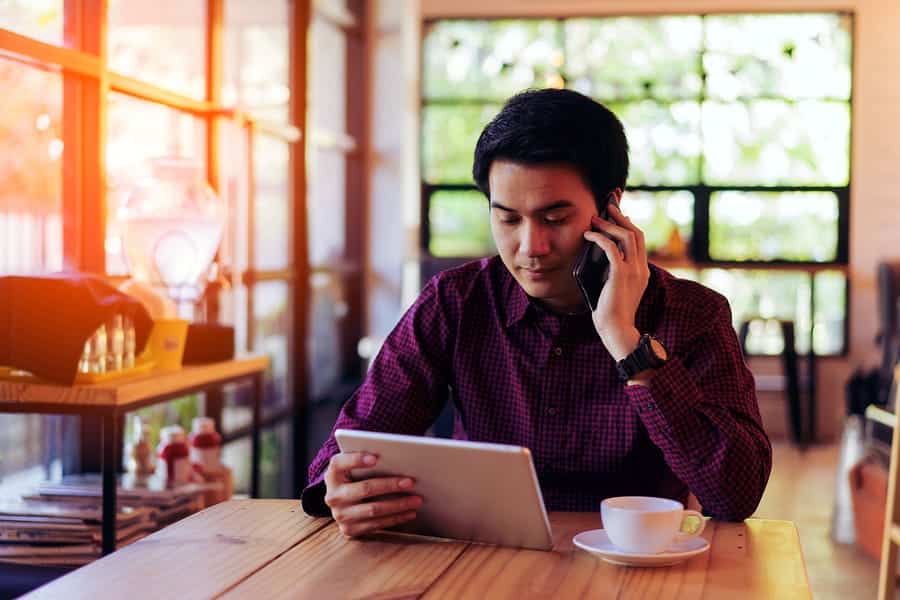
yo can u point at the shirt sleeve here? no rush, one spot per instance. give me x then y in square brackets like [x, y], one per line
[404, 390]
[701, 410]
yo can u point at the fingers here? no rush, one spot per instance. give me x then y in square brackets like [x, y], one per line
[358, 528]
[613, 253]
[375, 510]
[342, 463]
[355, 492]
[626, 237]
[622, 220]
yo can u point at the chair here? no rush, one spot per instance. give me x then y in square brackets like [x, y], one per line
[891, 538]
[799, 433]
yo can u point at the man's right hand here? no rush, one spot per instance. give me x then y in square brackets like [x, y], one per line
[358, 506]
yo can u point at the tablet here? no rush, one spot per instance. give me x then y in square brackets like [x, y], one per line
[473, 491]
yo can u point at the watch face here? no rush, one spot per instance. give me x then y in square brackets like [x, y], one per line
[658, 349]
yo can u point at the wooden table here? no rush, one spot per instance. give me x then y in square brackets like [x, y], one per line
[111, 400]
[270, 549]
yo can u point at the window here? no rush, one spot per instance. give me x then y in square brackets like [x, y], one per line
[31, 239]
[739, 133]
[205, 82]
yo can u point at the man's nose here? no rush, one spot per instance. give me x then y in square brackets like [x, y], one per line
[535, 241]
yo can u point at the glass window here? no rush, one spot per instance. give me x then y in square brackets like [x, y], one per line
[272, 218]
[772, 142]
[163, 133]
[635, 57]
[161, 42]
[767, 295]
[460, 224]
[773, 225]
[449, 136]
[32, 447]
[663, 140]
[328, 308]
[272, 320]
[180, 411]
[31, 163]
[327, 77]
[490, 59]
[666, 218]
[233, 187]
[275, 452]
[237, 455]
[256, 58]
[791, 56]
[829, 321]
[39, 19]
[711, 104]
[327, 182]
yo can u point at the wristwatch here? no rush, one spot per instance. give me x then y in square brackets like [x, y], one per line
[650, 354]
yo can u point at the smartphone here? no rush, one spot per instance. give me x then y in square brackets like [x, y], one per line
[592, 267]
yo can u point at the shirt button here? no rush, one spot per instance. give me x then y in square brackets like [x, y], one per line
[551, 411]
[557, 351]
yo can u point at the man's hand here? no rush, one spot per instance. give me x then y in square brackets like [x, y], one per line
[628, 276]
[358, 506]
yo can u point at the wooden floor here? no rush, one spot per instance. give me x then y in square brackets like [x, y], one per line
[802, 489]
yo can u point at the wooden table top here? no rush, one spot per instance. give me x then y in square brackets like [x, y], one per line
[270, 549]
[132, 389]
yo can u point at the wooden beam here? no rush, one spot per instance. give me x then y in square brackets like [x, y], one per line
[300, 290]
[93, 142]
[146, 91]
[360, 63]
[20, 47]
[214, 81]
[250, 130]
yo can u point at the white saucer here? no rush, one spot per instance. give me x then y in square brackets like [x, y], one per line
[597, 542]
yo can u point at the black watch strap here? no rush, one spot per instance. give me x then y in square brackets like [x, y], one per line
[641, 359]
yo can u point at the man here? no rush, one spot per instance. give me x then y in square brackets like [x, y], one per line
[647, 394]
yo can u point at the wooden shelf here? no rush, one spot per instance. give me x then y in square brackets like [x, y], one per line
[122, 393]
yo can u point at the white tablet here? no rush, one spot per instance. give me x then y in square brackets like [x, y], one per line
[473, 491]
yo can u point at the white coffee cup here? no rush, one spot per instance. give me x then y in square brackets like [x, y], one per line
[647, 525]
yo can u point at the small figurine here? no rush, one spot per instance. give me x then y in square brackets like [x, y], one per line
[142, 459]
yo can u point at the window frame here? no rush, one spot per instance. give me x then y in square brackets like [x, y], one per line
[87, 82]
[698, 250]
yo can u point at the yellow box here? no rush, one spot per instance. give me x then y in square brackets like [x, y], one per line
[166, 344]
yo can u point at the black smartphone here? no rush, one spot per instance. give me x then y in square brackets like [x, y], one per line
[592, 267]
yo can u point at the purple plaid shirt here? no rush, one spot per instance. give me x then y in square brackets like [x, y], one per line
[519, 374]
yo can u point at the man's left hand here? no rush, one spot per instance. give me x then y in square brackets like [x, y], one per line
[623, 243]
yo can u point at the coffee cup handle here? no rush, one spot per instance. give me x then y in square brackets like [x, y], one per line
[692, 524]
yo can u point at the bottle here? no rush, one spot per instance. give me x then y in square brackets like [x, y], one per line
[175, 456]
[130, 342]
[206, 446]
[94, 354]
[115, 344]
[142, 463]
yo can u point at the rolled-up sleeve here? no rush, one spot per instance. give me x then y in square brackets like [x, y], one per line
[701, 410]
[404, 390]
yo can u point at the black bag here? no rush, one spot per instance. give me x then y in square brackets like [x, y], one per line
[45, 321]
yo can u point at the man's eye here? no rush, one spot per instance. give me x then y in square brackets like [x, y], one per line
[555, 220]
[509, 221]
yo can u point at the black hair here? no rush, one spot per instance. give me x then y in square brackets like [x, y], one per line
[556, 126]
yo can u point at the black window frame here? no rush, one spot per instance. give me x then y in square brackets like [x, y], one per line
[698, 249]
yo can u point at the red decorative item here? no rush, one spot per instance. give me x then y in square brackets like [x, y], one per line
[174, 452]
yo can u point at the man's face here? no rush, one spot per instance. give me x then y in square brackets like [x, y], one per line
[538, 216]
